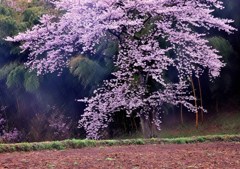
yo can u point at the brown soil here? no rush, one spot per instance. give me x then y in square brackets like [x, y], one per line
[204, 155]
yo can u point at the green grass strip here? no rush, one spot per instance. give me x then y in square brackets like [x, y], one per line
[75, 144]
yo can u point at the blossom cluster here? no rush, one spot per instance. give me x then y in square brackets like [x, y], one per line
[59, 125]
[8, 135]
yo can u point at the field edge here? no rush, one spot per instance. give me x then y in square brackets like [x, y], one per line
[76, 144]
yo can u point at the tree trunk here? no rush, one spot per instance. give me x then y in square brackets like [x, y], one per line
[195, 96]
[216, 106]
[181, 113]
[201, 100]
[149, 128]
[134, 123]
[146, 129]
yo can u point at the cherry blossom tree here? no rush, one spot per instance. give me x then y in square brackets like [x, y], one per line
[139, 27]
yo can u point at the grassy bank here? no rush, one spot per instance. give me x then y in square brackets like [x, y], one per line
[219, 124]
[74, 143]
[223, 123]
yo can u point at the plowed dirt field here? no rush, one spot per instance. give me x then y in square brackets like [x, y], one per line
[171, 156]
